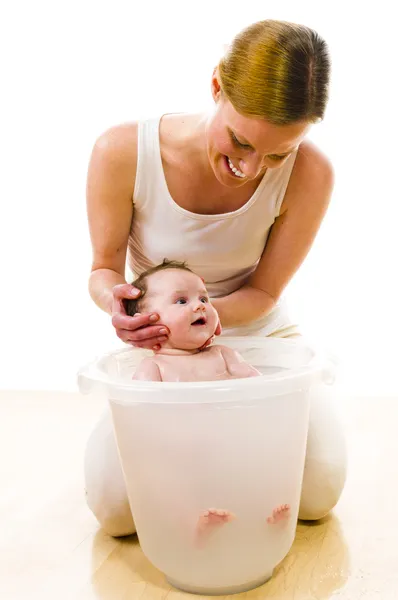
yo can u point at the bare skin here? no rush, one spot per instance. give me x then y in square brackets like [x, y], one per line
[279, 514]
[194, 150]
[211, 364]
[181, 300]
[209, 522]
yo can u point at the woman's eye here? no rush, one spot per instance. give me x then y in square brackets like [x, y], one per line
[276, 157]
[238, 143]
[181, 301]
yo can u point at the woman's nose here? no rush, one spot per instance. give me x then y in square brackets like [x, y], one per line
[250, 166]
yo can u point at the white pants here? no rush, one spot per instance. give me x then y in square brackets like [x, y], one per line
[323, 482]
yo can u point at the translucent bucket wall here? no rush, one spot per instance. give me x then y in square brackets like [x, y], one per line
[236, 445]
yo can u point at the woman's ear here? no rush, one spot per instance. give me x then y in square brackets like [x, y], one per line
[215, 85]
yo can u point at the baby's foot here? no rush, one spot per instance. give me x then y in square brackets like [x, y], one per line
[280, 513]
[210, 520]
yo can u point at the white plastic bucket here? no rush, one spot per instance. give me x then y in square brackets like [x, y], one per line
[237, 445]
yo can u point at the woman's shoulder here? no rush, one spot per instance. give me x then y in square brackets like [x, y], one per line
[312, 177]
[117, 146]
[311, 160]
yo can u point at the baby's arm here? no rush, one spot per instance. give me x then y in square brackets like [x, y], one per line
[147, 370]
[236, 365]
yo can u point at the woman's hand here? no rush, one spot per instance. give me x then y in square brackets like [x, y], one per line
[139, 331]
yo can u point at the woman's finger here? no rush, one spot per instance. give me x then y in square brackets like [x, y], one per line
[121, 293]
[152, 344]
[148, 333]
[121, 321]
[142, 335]
[125, 291]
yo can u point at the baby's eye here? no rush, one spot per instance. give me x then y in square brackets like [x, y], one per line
[204, 299]
[181, 301]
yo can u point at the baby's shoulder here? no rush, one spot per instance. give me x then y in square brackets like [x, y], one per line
[148, 370]
[226, 351]
[213, 351]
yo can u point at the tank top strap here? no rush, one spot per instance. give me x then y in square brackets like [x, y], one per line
[148, 161]
[280, 181]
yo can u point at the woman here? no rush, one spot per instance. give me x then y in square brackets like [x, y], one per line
[238, 194]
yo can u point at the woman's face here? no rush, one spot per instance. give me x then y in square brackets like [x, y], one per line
[241, 148]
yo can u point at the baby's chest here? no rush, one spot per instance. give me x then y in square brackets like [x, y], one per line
[206, 367]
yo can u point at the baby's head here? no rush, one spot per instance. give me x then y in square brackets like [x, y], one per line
[180, 298]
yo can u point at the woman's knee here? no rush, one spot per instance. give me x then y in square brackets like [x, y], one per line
[106, 493]
[323, 485]
[115, 518]
[325, 466]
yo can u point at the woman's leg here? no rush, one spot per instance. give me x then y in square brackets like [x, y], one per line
[105, 488]
[326, 457]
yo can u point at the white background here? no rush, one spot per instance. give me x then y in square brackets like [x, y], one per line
[72, 69]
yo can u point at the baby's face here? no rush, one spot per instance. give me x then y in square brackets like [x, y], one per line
[181, 300]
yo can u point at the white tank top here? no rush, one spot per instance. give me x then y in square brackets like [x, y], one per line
[224, 249]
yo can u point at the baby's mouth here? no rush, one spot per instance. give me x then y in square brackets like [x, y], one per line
[200, 321]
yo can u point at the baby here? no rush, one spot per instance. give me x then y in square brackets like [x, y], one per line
[180, 298]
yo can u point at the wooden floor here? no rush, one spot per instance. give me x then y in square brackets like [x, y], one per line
[52, 548]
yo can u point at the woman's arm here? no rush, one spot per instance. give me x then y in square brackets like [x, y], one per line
[110, 189]
[291, 237]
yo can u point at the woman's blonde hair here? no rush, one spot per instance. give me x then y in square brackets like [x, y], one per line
[278, 71]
